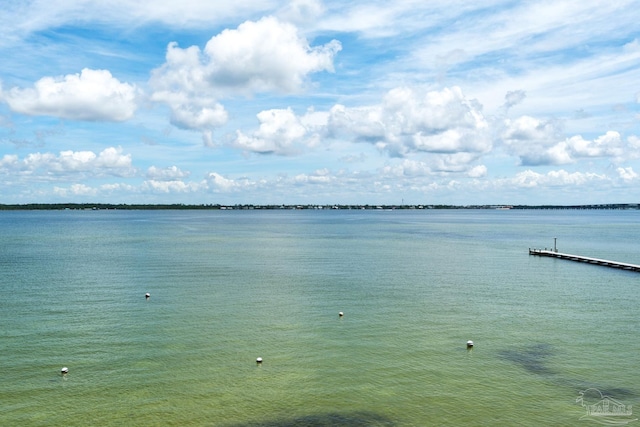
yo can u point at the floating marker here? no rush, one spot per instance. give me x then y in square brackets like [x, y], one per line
[64, 370]
[259, 360]
[469, 344]
[147, 295]
[341, 314]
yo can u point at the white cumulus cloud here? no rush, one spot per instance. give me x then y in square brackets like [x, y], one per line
[558, 178]
[109, 161]
[607, 145]
[258, 56]
[173, 186]
[538, 142]
[627, 174]
[527, 130]
[92, 95]
[168, 174]
[265, 55]
[279, 132]
[320, 176]
[410, 120]
[478, 171]
[218, 182]
[75, 190]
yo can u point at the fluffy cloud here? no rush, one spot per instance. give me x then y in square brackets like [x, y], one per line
[194, 116]
[219, 184]
[181, 84]
[117, 187]
[477, 172]
[409, 120]
[607, 145]
[279, 132]
[443, 125]
[92, 95]
[168, 174]
[112, 158]
[560, 178]
[75, 190]
[9, 162]
[538, 142]
[173, 186]
[110, 162]
[627, 174]
[320, 176]
[265, 55]
[525, 131]
[258, 56]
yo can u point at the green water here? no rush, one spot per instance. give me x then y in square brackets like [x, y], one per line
[228, 287]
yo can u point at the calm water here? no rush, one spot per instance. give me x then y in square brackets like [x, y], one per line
[230, 286]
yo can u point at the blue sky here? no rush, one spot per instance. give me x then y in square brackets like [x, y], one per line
[312, 102]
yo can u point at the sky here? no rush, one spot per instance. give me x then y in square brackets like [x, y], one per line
[320, 102]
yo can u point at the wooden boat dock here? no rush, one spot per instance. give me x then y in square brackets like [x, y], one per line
[588, 260]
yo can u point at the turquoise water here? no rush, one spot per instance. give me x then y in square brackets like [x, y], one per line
[230, 286]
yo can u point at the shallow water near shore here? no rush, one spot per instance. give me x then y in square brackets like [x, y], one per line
[230, 286]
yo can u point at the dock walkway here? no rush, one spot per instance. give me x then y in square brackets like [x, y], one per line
[588, 260]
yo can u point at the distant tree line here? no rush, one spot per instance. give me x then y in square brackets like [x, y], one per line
[180, 206]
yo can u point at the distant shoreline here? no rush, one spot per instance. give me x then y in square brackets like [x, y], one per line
[109, 206]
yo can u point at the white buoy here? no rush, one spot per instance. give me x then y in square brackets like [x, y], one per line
[259, 360]
[64, 370]
[469, 344]
[147, 295]
[341, 314]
